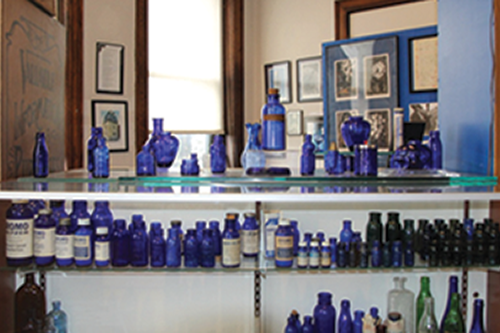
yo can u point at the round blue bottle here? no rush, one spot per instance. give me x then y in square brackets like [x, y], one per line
[324, 314]
[44, 240]
[20, 225]
[273, 122]
[83, 244]
[409, 254]
[217, 238]
[139, 242]
[173, 248]
[64, 243]
[296, 236]
[145, 163]
[191, 249]
[357, 324]
[218, 155]
[284, 244]
[79, 211]
[120, 244]
[101, 215]
[40, 157]
[231, 244]
[101, 247]
[250, 236]
[157, 245]
[207, 249]
[308, 326]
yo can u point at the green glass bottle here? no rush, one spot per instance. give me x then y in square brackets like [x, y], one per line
[374, 228]
[425, 292]
[392, 228]
[454, 322]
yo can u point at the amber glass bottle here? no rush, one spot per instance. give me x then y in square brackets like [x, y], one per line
[29, 306]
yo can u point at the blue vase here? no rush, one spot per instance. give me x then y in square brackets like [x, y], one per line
[253, 157]
[139, 242]
[40, 157]
[102, 216]
[345, 320]
[216, 237]
[218, 155]
[44, 236]
[173, 248]
[101, 159]
[91, 145]
[120, 244]
[273, 122]
[355, 131]
[207, 250]
[357, 324]
[163, 145]
[191, 249]
[308, 325]
[79, 211]
[145, 163]
[64, 243]
[58, 318]
[157, 245]
[324, 314]
[189, 167]
[307, 159]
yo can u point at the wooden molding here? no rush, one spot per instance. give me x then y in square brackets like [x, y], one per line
[496, 144]
[141, 74]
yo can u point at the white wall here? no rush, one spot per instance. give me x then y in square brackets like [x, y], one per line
[111, 21]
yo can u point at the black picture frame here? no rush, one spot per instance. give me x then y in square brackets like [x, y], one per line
[309, 80]
[278, 75]
[109, 68]
[112, 116]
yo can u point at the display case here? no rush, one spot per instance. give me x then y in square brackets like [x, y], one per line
[257, 297]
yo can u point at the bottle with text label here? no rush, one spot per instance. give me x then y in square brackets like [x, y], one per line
[64, 243]
[101, 246]
[44, 240]
[284, 244]
[250, 236]
[231, 244]
[83, 243]
[19, 242]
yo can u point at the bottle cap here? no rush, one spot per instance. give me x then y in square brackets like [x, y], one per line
[314, 243]
[66, 221]
[101, 231]
[273, 91]
[44, 211]
[284, 222]
[249, 215]
[175, 223]
[20, 201]
[325, 243]
[85, 221]
[302, 244]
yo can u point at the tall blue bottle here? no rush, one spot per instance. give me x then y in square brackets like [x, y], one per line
[477, 319]
[120, 244]
[44, 240]
[79, 211]
[191, 249]
[273, 122]
[178, 225]
[217, 238]
[296, 236]
[452, 288]
[376, 252]
[20, 225]
[231, 244]
[173, 248]
[357, 324]
[102, 247]
[345, 319]
[250, 236]
[40, 157]
[324, 314]
[307, 159]
[346, 232]
[91, 145]
[58, 318]
[101, 215]
[157, 245]
[207, 252]
[83, 243]
[139, 242]
[57, 211]
[436, 149]
[145, 163]
[64, 243]
[218, 155]
[101, 159]
[307, 327]
[284, 244]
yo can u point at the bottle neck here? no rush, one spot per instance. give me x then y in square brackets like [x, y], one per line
[157, 126]
[425, 286]
[273, 98]
[29, 278]
[477, 320]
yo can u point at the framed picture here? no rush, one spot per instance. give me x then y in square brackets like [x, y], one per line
[109, 68]
[377, 76]
[425, 113]
[346, 82]
[380, 128]
[424, 64]
[309, 80]
[112, 116]
[294, 122]
[278, 76]
[341, 117]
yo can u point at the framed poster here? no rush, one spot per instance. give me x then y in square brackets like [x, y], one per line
[112, 116]
[424, 64]
[309, 80]
[109, 68]
[278, 76]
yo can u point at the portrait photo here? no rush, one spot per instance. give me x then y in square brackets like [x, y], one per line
[377, 74]
[113, 118]
[340, 118]
[346, 85]
[425, 113]
[380, 128]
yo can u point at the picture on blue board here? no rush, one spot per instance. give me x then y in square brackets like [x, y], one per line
[380, 125]
[377, 74]
[346, 86]
[425, 113]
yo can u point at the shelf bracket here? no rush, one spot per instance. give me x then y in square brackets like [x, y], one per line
[465, 290]
[41, 280]
[257, 295]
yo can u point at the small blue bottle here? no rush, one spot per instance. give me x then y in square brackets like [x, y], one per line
[177, 224]
[58, 318]
[326, 255]
[436, 149]
[57, 211]
[102, 216]
[231, 243]
[342, 254]
[218, 155]
[173, 248]
[44, 240]
[320, 235]
[387, 254]
[307, 327]
[35, 205]
[217, 238]
[374, 313]
[200, 226]
[307, 239]
[64, 243]
[157, 245]
[303, 256]
[191, 249]
[91, 145]
[357, 324]
[345, 319]
[307, 159]
[120, 244]
[250, 236]
[139, 242]
[269, 230]
[101, 247]
[190, 167]
[397, 254]
[314, 254]
[296, 236]
[207, 249]
[333, 252]
[376, 254]
[346, 232]
[145, 163]
[291, 326]
[477, 319]
[79, 211]
[469, 229]
[83, 244]
[101, 159]
[296, 316]
[40, 157]
[409, 254]
[331, 159]
[284, 244]
[273, 122]
[324, 314]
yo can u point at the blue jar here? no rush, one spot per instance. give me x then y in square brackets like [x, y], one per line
[207, 252]
[101, 247]
[357, 324]
[218, 155]
[284, 244]
[303, 256]
[44, 240]
[272, 218]
[376, 252]
[91, 145]
[231, 243]
[101, 159]
[79, 211]
[307, 159]
[397, 254]
[40, 157]
[102, 216]
[308, 326]
[250, 236]
[326, 255]
[346, 233]
[314, 254]
[273, 122]
[64, 243]
[120, 244]
[345, 319]
[57, 211]
[83, 243]
[157, 245]
[324, 314]
[20, 225]
[173, 248]
[333, 252]
[216, 237]
[191, 249]
[139, 242]
[296, 236]
[145, 163]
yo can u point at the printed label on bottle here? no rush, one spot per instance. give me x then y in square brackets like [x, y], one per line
[101, 251]
[270, 231]
[284, 248]
[314, 259]
[45, 242]
[326, 259]
[82, 247]
[274, 117]
[19, 238]
[250, 241]
[303, 259]
[64, 246]
[231, 251]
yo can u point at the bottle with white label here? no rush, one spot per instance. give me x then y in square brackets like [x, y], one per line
[83, 246]
[250, 236]
[64, 243]
[326, 253]
[231, 244]
[44, 240]
[271, 218]
[284, 244]
[303, 256]
[19, 242]
[101, 247]
[314, 254]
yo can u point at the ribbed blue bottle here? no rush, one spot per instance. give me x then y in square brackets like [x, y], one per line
[357, 324]
[231, 243]
[57, 211]
[44, 240]
[102, 247]
[324, 314]
[191, 249]
[20, 226]
[273, 122]
[139, 242]
[284, 244]
[307, 159]
[120, 244]
[101, 215]
[345, 319]
[308, 327]
[250, 236]
[101, 159]
[217, 238]
[40, 157]
[79, 211]
[173, 248]
[145, 163]
[207, 250]
[64, 243]
[83, 243]
[157, 245]
[452, 288]
[91, 145]
[218, 155]
[294, 224]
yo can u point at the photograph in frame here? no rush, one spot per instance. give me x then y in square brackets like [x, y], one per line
[346, 85]
[278, 76]
[112, 116]
[377, 76]
[341, 117]
[380, 128]
[425, 113]
[309, 85]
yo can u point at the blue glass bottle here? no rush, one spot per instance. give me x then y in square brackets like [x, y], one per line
[165, 145]
[284, 244]
[296, 316]
[218, 155]
[324, 314]
[157, 245]
[346, 232]
[231, 243]
[35, 205]
[178, 225]
[200, 226]
[345, 319]
[409, 254]
[207, 252]
[120, 244]
[469, 229]
[253, 158]
[397, 254]
[477, 319]
[216, 237]
[374, 314]
[296, 236]
[307, 159]
[57, 211]
[102, 215]
[333, 252]
[191, 249]
[307, 327]
[436, 149]
[387, 254]
[173, 248]
[342, 254]
[79, 211]
[376, 254]
[357, 324]
[64, 243]
[452, 288]
[102, 247]
[308, 238]
[20, 226]
[40, 157]
[320, 235]
[325, 255]
[314, 254]
[139, 242]
[44, 240]
[101, 159]
[190, 167]
[58, 318]
[291, 326]
[250, 236]
[270, 230]
[303, 256]
[331, 159]
[145, 163]
[83, 243]
[91, 145]
[273, 122]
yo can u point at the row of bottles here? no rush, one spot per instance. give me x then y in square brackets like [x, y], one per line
[404, 314]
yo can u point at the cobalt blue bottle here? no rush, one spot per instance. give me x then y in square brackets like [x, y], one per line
[139, 242]
[177, 224]
[436, 149]
[346, 232]
[324, 314]
[314, 254]
[331, 159]
[376, 254]
[44, 240]
[101, 159]
[342, 254]
[40, 157]
[120, 244]
[200, 226]
[79, 211]
[357, 324]
[191, 249]
[83, 243]
[207, 249]
[387, 254]
[397, 254]
[345, 319]
[101, 247]
[307, 159]
[296, 236]
[308, 325]
[20, 225]
[273, 122]
[145, 163]
[173, 248]
[477, 320]
[409, 254]
[320, 235]
[218, 155]
[250, 236]
[303, 256]
[333, 252]
[453, 288]
[217, 238]
[231, 243]
[64, 243]
[57, 211]
[308, 238]
[469, 229]
[102, 216]
[291, 326]
[35, 205]
[91, 145]
[190, 167]
[284, 244]
[157, 245]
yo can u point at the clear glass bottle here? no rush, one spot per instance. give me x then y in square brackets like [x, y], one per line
[157, 245]
[253, 158]
[120, 244]
[101, 159]
[452, 288]
[44, 239]
[101, 247]
[402, 300]
[477, 319]
[58, 318]
[139, 242]
[145, 163]
[29, 306]
[40, 157]
[272, 218]
[307, 159]
[345, 319]
[273, 122]
[454, 322]
[425, 292]
[91, 145]
[218, 155]
[250, 236]
[324, 314]
[428, 323]
[231, 243]
[64, 243]
[83, 243]
[79, 210]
